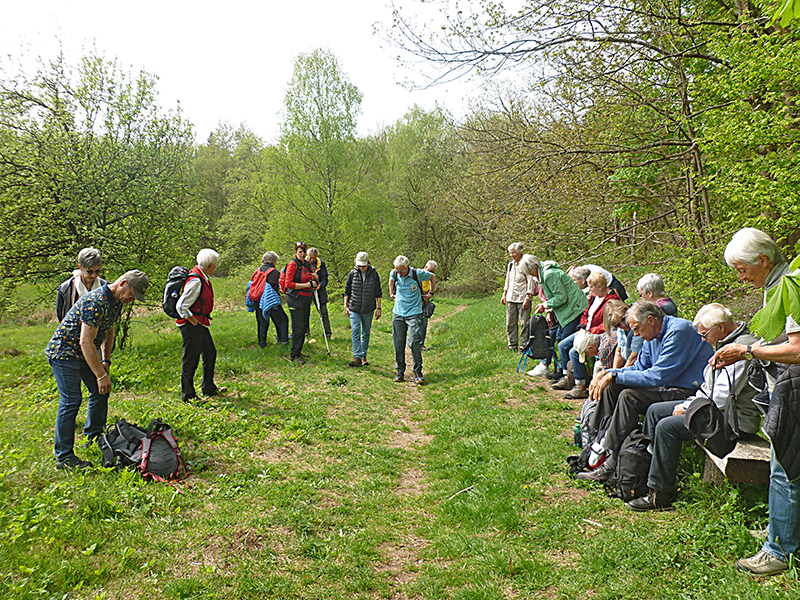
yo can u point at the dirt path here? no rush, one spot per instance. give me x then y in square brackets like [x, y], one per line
[402, 559]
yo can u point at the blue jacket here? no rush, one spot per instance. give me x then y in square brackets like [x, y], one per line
[676, 358]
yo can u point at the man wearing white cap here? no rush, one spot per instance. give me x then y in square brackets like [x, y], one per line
[362, 300]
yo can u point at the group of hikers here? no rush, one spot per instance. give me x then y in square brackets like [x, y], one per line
[88, 307]
[666, 380]
[649, 363]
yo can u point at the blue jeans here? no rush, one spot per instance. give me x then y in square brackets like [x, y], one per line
[410, 327]
[784, 513]
[360, 325]
[565, 349]
[564, 331]
[68, 375]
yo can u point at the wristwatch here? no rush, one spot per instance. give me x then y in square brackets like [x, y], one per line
[748, 353]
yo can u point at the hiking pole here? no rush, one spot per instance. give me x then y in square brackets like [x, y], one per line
[322, 323]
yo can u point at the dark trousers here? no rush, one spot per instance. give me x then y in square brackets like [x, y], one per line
[197, 342]
[624, 405]
[300, 309]
[668, 434]
[281, 322]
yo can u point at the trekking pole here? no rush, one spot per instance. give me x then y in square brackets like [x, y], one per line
[322, 323]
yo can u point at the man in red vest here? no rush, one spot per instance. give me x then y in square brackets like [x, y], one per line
[195, 306]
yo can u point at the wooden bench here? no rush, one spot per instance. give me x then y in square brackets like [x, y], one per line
[748, 463]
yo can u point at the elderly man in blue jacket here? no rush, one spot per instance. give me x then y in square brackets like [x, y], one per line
[669, 367]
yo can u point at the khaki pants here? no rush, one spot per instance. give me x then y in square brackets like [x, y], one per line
[516, 317]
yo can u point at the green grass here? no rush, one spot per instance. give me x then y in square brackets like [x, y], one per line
[325, 482]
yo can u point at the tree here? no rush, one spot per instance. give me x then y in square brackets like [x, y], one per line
[88, 158]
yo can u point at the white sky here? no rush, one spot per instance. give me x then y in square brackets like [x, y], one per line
[230, 61]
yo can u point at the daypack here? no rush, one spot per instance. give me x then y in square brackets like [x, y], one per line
[633, 465]
[173, 289]
[257, 283]
[584, 435]
[154, 451]
[538, 344]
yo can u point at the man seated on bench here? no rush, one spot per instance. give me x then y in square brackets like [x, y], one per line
[669, 367]
[664, 423]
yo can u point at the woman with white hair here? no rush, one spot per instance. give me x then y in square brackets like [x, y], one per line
[651, 288]
[194, 307]
[518, 292]
[84, 279]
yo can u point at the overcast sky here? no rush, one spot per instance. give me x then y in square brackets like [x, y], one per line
[230, 61]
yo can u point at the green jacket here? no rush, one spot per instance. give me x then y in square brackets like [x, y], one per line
[563, 295]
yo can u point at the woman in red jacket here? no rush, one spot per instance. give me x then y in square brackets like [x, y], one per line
[300, 283]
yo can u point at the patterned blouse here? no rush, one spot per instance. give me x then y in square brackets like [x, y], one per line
[97, 309]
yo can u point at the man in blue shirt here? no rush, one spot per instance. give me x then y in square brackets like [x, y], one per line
[669, 367]
[80, 350]
[406, 290]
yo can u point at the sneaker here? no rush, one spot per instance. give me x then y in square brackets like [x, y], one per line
[601, 474]
[577, 393]
[654, 500]
[419, 380]
[298, 360]
[561, 384]
[399, 378]
[597, 456]
[356, 362]
[72, 462]
[539, 370]
[762, 563]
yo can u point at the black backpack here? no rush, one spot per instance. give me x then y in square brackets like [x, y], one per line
[633, 465]
[538, 345]
[153, 451]
[173, 289]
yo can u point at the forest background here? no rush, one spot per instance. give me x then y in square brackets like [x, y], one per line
[638, 136]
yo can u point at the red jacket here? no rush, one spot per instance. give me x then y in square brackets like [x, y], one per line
[306, 275]
[596, 326]
[204, 304]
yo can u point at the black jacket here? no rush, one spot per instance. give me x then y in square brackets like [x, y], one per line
[362, 291]
[782, 422]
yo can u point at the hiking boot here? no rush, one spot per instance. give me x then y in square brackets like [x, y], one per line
[763, 564]
[419, 380]
[399, 378]
[356, 362]
[72, 462]
[364, 362]
[539, 370]
[654, 500]
[553, 375]
[298, 360]
[601, 474]
[577, 393]
[217, 392]
[561, 384]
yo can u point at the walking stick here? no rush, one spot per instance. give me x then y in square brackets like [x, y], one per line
[322, 323]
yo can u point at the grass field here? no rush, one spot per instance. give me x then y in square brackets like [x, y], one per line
[326, 482]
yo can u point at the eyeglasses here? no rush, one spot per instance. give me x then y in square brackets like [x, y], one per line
[94, 271]
[703, 335]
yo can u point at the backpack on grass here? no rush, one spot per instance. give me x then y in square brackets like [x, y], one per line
[633, 465]
[153, 451]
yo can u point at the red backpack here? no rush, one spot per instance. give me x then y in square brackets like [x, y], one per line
[258, 281]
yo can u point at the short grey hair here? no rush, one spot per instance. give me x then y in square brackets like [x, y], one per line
[313, 251]
[401, 261]
[579, 273]
[89, 257]
[516, 247]
[748, 244]
[432, 264]
[207, 257]
[528, 262]
[269, 258]
[651, 282]
[642, 309]
[711, 315]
